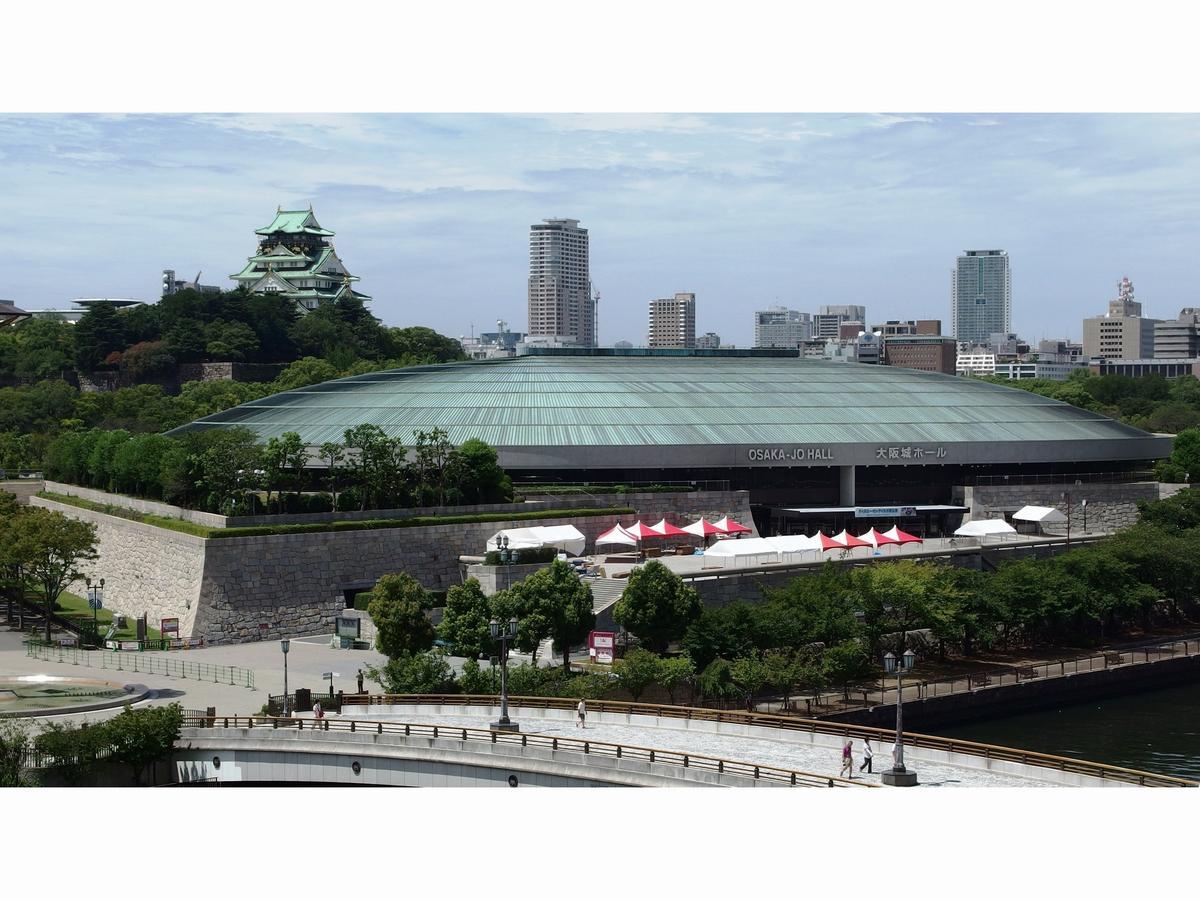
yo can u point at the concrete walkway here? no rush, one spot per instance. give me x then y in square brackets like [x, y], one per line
[786, 754]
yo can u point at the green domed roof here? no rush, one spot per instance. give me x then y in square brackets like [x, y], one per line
[631, 401]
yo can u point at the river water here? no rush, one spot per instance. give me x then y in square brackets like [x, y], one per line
[1155, 731]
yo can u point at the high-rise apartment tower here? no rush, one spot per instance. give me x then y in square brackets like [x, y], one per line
[561, 304]
[673, 322]
[981, 295]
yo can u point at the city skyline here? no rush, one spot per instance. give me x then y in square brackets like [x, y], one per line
[751, 211]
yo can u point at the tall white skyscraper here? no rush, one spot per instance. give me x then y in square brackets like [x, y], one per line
[778, 326]
[561, 305]
[981, 296]
[673, 322]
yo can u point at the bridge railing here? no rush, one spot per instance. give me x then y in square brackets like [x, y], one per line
[141, 662]
[679, 758]
[788, 723]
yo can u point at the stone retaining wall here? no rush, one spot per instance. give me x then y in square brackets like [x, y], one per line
[145, 569]
[1110, 507]
[231, 590]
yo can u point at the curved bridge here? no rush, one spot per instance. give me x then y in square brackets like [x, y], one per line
[351, 751]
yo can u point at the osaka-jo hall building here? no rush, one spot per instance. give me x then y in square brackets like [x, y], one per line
[812, 441]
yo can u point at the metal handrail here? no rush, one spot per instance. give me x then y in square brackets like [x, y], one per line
[682, 758]
[142, 662]
[792, 723]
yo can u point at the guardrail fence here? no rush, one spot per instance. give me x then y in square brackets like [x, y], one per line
[787, 723]
[140, 662]
[678, 758]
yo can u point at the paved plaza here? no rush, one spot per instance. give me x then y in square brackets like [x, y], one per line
[308, 659]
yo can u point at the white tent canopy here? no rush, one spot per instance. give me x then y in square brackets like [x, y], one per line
[985, 527]
[744, 547]
[1043, 514]
[793, 543]
[567, 538]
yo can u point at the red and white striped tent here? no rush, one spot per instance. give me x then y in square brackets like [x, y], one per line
[846, 539]
[901, 537]
[703, 528]
[617, 535]
[729, 526]
[666, 529]
[877, 538]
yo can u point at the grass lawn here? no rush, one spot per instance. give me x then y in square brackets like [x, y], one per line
[72, 607]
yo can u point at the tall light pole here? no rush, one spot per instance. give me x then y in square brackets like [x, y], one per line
[899, 776]
[504, 632]
[95, 601]
[284, 645]
[1067, 498]
[1083, 506]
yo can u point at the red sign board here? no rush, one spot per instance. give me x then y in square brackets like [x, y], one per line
[169, 626]
[601, 645]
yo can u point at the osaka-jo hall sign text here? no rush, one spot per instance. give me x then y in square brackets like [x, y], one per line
[901, 453]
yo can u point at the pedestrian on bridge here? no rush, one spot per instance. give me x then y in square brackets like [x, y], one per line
[868, 755]
[848, 758]
[581, 714]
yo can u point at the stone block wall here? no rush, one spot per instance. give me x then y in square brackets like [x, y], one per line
[145, 569]
[252, 588]
[22, 488]
[149, 507]
[1110, 507]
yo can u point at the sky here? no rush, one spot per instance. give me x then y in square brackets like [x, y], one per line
[432, 211]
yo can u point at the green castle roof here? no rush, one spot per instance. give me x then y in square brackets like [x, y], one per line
[294, 221]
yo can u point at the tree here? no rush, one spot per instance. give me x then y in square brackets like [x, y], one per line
[14, 745]
[333, 455]
[750, 675]
[554, 603]
[843, 663]
[716, 681]
[657, 606]
[475, 476]
[284, 454]
[424, 344]
[51, 546]
[433, 455]
[230, 465]
[12, 579]
[674, 672]
[397, 606]
[304, 372]
[97, 334]
[137, 464]
[415, 673]
[144, 736]
[146, 359]
[726, 631]
[377, 466]
[230, 341]
[465, 620]
[638, 670]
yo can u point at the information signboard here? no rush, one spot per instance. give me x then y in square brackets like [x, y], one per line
[348, 626]
[885, 512]
[169, 626]
[601, 645]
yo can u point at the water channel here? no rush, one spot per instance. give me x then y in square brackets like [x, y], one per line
[1155, 731]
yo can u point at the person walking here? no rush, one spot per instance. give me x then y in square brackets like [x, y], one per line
[868, 754]
[580, 714]
[847, 759]
[318, 713]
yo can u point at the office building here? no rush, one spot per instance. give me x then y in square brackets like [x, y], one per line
[1062, 351]
[827, 323]
[295, 259]
[924, 352]
[561, 305]
[1122, 332]
[893, 327]
[672, 322]
[981, 295]
[1179, 339]
[710, 340]
[979, 364]
[1047, 371]
[778, 326]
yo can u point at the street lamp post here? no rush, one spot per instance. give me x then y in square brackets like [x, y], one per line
[284, 645]
[899, 776]
[507, 558]
[1067, 498]
[1083, 506]
[504, 632]
[95, 601]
